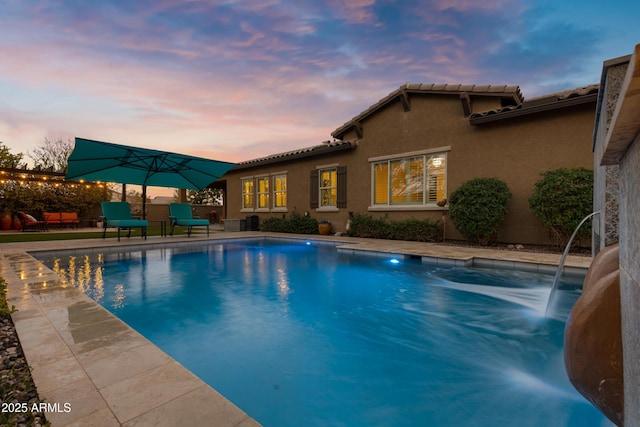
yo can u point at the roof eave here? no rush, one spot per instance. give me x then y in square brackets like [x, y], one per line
[316, 151]
[524, 110]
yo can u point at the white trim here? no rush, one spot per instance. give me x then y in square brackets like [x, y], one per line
[330, 166]
[275, 175]
[252, 194]
[278, 173]
[262, 210]
[242, 178]
[328, 209]
[330, 169]
[258, 193]
[382, 208]
[410, 154]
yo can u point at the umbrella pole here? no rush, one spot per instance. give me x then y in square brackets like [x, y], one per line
[144, 202]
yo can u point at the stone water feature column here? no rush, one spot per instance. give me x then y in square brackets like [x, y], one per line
[621, 147]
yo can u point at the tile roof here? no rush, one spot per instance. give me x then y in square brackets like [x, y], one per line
[315, 150]
[436, 89]
[577, 96]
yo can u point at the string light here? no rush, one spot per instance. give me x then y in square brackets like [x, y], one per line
[40, 177]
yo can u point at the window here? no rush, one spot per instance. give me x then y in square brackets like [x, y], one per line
[279, 191]
[248, 201]
[263, 192]
[259, 192]
[328, 187]
[407, 181]
[418, 180]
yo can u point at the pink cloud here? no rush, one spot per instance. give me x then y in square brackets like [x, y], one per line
[354, 11]
[471, 5]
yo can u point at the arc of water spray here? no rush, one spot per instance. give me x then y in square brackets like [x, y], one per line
[556, 279]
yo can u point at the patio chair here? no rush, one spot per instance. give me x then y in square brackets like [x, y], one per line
[118, 215]
[29, 223]
[180, 214]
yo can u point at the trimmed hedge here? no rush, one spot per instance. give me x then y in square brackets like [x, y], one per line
[561, 199]
[296, 223]
[421, 230]
[477, 207]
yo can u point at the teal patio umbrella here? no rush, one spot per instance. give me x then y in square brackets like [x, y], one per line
[107, 162]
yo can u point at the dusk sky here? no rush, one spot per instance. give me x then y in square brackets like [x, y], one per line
[237, 80]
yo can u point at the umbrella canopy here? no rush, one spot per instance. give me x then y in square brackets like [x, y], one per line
[103, 161]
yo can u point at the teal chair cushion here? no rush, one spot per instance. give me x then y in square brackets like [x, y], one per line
[118, 214]
[180, 211]
[123, 223]
[187, 222]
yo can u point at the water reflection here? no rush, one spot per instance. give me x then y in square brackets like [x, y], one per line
[118, 296]
[84, 273]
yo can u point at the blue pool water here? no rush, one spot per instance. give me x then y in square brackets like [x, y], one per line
[301, 335]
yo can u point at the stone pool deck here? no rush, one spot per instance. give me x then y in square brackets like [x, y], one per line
[82, 355]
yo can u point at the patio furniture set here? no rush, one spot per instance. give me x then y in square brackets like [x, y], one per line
[118, 215]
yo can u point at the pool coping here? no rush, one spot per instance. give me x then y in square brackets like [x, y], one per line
[110, 375]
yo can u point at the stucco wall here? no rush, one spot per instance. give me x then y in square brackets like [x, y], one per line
[515, 150]
[629, 224]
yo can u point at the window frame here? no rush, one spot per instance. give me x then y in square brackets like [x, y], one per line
[282, 192]
[333, 195]
[269, 195]
[430, 180]
[263, 204]
[245, 194]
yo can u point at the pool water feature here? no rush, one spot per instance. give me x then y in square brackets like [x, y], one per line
[300, 334]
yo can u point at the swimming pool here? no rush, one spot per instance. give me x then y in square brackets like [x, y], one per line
[299, 334]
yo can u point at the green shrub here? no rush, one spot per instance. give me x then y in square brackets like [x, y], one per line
[561, 199]
[4, 306]
[424, 230]
[477, 207]
[368, 227]
[296, 223]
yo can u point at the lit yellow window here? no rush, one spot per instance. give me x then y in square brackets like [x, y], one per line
[247, 194]
[263, 192]
[407, 181]
[280, 191]
[436, 180]
[418, 180]
[328, 187]
[381, 183]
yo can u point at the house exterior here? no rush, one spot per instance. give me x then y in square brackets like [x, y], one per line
[406, 153]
